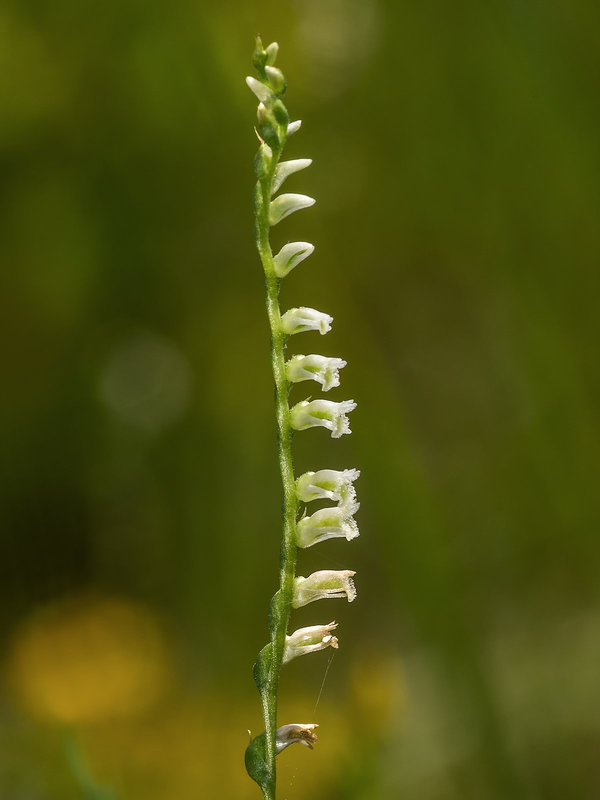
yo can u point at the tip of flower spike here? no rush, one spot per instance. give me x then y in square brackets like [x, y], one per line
[259, 55]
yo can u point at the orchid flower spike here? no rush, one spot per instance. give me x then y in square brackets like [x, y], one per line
[322, 585]
[299, 732]
[327, 484]
[322, 369]
[323, 413]
[273, 127]
[336, 522]
[309, 640]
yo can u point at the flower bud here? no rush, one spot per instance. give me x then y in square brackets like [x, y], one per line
[336, 522]
[324, 413]
[286, 168]
[286, 204]
[271, 50]
[290, 256]
[323, 585]
[298, 732]
[322, 369]
[269, 130]
[276, 79]
[262, 92]
[294, 126]
[259, 57]
[298, 320]
[327, 484]
[309, 640]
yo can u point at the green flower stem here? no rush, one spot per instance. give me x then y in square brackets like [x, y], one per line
[282, 601]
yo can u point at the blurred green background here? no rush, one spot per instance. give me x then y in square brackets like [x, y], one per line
[456, 168]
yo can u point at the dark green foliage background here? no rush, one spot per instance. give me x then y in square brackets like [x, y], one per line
[456, 169]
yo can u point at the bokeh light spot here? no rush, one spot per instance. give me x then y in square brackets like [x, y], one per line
[147, 382]
[88, 659]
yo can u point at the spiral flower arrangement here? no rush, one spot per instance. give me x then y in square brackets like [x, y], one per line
[300, 530]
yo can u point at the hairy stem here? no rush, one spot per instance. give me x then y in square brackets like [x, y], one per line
[281, 603]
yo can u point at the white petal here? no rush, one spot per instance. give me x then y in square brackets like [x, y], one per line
[290, 256]
[263, 93]
[298, 320]
[286, 204]
[286, 168]
[322, 585]
[302, 733]
[271, 51]
[322, 369]
[324, 413]
[327, 523]
[309, 640]
[328, 484]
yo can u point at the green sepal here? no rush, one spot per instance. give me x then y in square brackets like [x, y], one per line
[280, 113]
[259, 56]
[268, 134]
[272, 123]
[258, 209]
[262, 667]
[256, 761]
[263, 161]
[275, 611]
[258, 200]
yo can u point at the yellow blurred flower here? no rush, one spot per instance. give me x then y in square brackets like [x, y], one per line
[88, 659]
[378, 687]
